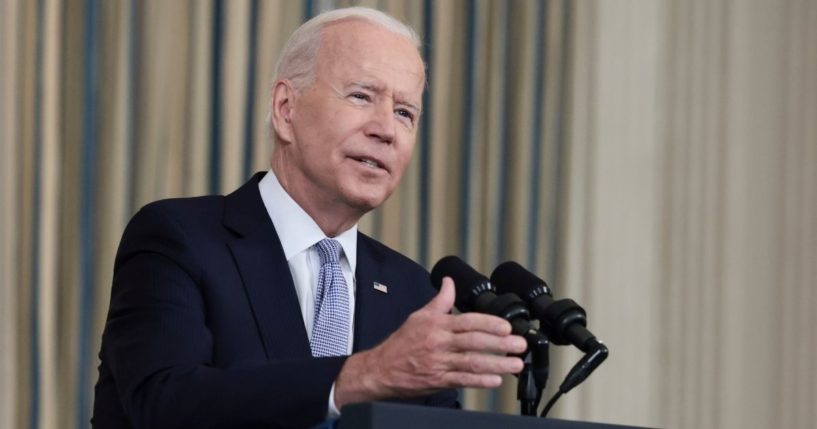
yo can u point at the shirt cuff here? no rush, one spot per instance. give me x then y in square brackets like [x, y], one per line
[333, 411]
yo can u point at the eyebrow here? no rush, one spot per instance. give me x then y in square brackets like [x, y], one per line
[379, 89]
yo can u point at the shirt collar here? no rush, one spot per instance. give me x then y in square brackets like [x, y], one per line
[296, 229]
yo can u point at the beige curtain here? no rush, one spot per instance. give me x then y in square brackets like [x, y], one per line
[653, 160]
[692, 215]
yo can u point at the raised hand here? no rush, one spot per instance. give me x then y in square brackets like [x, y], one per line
[433, 350]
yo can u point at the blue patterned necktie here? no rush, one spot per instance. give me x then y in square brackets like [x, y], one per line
[330, 327]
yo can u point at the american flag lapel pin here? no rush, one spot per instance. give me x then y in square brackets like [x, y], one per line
[381, 287]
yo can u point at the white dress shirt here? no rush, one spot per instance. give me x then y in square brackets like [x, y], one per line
[299, 233]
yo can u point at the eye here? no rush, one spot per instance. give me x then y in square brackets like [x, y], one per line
[406, 114]
[360, 96]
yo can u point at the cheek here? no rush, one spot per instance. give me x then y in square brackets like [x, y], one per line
[319, 120]
[337, 126]
[319, 137]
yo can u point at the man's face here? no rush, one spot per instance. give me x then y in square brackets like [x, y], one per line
[354, 128]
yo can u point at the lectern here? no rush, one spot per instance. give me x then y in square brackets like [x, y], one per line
[383, 415]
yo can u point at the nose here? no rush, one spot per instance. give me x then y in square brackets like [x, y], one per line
[382, 124]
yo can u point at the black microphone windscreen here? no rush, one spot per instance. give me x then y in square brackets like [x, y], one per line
[457, 269]
[514, 278]
[473, 290]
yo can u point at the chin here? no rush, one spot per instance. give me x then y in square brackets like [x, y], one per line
[367, 201]
[367, 204]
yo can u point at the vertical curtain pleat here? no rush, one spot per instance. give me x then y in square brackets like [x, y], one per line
[12, 365]
[797, 304]
[88, 198]
[234, 62]
[10, 288]
[72, 282]
[200, 33]
[54, 370]
[28, 218]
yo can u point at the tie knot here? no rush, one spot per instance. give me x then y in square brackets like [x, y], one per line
[328, 250]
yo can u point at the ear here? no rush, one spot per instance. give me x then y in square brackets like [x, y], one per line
[281, 107]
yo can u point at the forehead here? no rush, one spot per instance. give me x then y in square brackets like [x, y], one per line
[356, 50]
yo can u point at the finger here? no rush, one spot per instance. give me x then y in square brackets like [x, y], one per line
[456, 379]
[482, 363]
[484, 342]
[487, 323]
[444, 300]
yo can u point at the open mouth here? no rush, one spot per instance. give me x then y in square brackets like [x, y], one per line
[371, 163]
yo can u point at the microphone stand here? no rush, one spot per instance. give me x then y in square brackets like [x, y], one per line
[534, 375]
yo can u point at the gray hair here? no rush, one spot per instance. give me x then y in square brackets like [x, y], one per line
[299, 56]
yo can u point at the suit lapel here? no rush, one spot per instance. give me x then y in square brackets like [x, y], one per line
[267, 280]
[374, 310]
[270, 289]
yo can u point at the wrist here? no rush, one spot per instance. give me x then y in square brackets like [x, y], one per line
[358, 380]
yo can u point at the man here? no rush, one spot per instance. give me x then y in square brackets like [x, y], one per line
[242, 311]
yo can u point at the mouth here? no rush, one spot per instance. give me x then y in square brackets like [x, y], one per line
[370, 162]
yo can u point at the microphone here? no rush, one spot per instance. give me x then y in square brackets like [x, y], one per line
[564, 321]
[476, 293]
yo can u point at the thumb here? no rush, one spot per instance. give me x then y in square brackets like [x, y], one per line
[444, 299]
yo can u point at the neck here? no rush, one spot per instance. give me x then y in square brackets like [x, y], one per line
[332, 216]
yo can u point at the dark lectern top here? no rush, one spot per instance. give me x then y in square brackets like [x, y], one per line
[382, 415]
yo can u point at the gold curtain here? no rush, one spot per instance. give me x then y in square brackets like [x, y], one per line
[654, 160]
